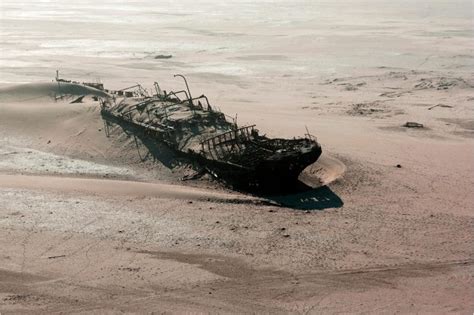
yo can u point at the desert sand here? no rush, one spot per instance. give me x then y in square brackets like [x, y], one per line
[90, 223]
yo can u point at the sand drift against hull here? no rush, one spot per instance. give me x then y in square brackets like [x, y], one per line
[236, 155]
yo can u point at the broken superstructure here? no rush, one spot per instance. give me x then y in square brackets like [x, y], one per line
[236, 155]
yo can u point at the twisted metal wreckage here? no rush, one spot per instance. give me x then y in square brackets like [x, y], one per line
[236, 155]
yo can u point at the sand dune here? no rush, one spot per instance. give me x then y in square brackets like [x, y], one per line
[39, 91]
[325, 171]
[109, 187]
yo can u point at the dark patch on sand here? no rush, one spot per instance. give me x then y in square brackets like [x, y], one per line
[467, 124]
[442, 83]
[373, 109]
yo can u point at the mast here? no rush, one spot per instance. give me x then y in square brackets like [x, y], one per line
[187, 87]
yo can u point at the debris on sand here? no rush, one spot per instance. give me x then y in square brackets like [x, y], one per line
[442, 83]
[352, 87]
[440, 105]
[130, 269]
[19, 298]
[367, 109]
[163, 56]
[412, 124]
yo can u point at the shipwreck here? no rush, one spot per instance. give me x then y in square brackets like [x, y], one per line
[238, 156]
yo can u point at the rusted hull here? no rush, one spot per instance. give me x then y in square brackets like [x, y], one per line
[266, 176]
[252, 169]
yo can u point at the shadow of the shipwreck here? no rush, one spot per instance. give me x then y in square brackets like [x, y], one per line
[147, 148]
[311, 199]
[156, 151]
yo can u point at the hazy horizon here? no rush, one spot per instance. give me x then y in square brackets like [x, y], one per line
[307, 38]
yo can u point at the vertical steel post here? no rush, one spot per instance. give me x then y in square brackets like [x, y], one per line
[187, 87]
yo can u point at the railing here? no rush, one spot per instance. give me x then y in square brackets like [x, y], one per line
[204, 97]
[137, 106]
[175, 94]
[229, 142]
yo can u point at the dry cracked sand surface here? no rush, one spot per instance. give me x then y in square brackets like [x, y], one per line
[90, 223]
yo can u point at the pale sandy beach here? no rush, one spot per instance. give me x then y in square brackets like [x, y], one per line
[97, 224]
